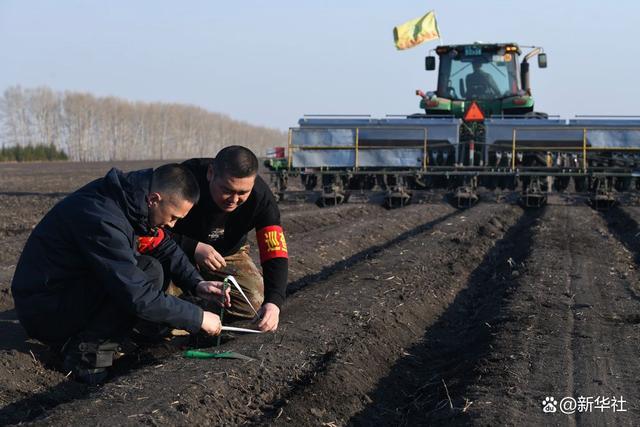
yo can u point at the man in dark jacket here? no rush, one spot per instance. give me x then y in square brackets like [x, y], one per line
[480, 84]
[234, 201]
[81, 282]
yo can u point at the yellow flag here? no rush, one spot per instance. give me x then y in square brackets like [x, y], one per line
[416, 31]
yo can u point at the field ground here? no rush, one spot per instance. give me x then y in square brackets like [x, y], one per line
[421, 315]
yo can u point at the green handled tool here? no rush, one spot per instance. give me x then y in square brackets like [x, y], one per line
[199, 354]
[225, 286]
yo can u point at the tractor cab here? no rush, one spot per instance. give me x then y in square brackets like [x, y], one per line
[489, 74]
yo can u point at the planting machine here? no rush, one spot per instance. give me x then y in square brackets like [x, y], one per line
[479, 129]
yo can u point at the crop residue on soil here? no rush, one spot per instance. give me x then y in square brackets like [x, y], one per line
[421, 315]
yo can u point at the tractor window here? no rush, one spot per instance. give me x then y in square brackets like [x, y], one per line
[483, 76]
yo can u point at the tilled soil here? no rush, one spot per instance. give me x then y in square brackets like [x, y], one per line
[570, 327]
[420, 315]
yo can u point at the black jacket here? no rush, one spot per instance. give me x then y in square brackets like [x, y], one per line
[258, 211]
[91, 235]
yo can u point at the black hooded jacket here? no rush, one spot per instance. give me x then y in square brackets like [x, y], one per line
[91, 235]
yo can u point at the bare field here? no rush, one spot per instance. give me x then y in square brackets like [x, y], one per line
[423, 315]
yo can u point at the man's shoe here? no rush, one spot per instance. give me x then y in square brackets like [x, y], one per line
[81, 371]
[88, 361]
[90, 376]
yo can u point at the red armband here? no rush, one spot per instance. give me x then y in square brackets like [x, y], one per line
[149, 243]
[271, 243]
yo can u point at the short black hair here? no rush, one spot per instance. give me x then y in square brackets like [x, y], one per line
[174, 180]
[235, 161]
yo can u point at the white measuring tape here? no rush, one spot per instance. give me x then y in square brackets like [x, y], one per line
[234, 282]
[236, 329]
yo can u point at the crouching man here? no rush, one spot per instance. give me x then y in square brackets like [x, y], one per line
[81, 282]
[233, 201]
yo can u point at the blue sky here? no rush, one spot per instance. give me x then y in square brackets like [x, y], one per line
[268, 63]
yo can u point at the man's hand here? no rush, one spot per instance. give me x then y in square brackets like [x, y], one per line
[207, 257]
[269, 315]
[211, 323]
[212, 291]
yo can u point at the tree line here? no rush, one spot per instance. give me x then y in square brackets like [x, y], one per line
[31, 153]
[90, 128]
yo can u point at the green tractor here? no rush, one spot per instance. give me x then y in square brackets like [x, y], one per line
[489, 74]
[479, 128]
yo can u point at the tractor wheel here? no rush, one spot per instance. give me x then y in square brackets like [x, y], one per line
[580, 184]
[561, 183]
[623, 184]
[309, 181]
[362, 182]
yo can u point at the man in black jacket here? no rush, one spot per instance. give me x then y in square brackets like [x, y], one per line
[81, 282]
[480, 84]
[234, 201]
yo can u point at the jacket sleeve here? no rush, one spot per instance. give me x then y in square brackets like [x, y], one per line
[109, 252]
[275, 273]
[183, 273]
[275, 263]
[187, 244]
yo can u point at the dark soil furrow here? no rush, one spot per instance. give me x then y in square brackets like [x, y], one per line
[623, 223]
[59, 177]
[568, 331]
[346, 263]
[54, 195]
[427, 385]
[321, 323]
[421, 315]
[6, 233]
[313, 219]
[314, 254]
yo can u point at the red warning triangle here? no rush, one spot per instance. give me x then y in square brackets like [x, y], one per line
[473, 114]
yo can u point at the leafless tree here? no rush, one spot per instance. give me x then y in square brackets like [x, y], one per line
[89, 128]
